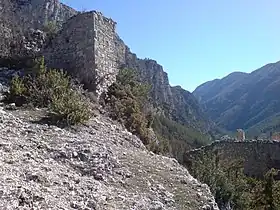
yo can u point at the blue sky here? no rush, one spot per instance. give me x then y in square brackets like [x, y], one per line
[196, 40]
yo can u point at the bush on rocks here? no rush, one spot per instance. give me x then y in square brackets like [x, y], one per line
[53, 89]
[17, 91]
[125, 101]
[70, 108]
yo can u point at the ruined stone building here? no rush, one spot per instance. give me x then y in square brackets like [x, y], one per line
[87, 47]
[240, 134]
[275, 136]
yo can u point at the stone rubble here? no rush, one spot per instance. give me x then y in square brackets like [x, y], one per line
[99, 165]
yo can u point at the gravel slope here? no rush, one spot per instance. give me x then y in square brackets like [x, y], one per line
[96, 166]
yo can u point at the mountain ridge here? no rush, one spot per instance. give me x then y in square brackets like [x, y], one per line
[243, 100]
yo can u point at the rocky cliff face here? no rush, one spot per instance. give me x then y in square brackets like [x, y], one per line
[35, 13]
[9, 31]
[19, 16]
[175, 102]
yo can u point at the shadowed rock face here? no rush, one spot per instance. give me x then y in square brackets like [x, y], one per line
[9, 31]
[258, 156]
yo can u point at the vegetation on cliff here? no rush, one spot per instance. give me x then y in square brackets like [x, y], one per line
[176, 138]
[231, 187]
[128, 102]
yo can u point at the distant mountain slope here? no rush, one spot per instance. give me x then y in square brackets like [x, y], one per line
[242, 100]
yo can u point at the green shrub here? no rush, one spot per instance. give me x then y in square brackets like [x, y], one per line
[50, 28]
[17, 91]
[125, 101]
[45, 85]
[229, 184]
[70, 108]
[53, 89]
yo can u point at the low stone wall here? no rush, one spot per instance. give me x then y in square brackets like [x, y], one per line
[258, 156]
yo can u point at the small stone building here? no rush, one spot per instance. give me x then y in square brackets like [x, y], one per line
[275, 136]
[240, 135]
[87, 46]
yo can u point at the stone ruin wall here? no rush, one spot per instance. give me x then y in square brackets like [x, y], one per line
[73, 47]
[258, 156]
[108, 54]
[94, 53]
[88, 47]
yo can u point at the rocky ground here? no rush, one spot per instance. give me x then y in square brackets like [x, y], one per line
[94, 166]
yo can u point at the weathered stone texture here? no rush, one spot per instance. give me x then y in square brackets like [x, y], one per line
[73, 48]
[18, 17]
[35, 13]
[8, 28]
[105, 52]
[152, 73]
[86, 48]
[240, 134]
[258, 156]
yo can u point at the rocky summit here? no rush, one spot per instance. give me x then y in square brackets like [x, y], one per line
[96, 166]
